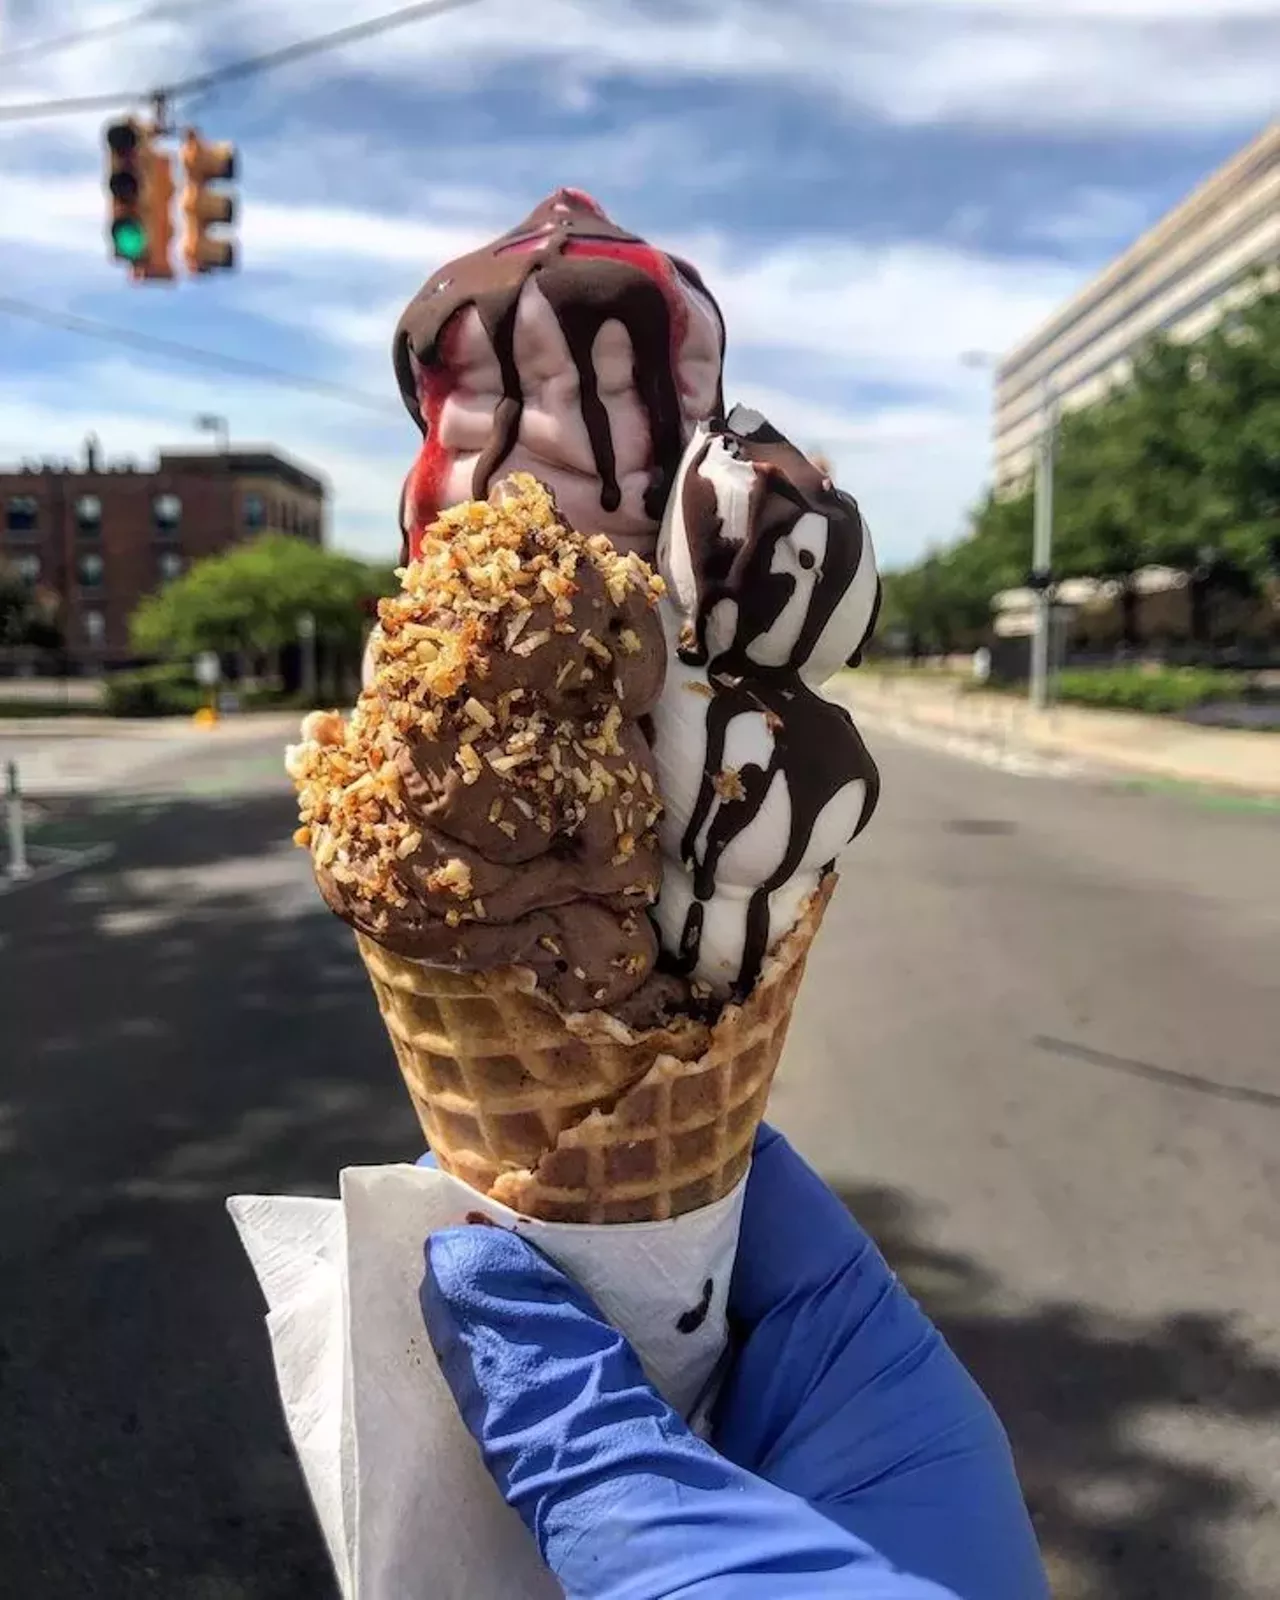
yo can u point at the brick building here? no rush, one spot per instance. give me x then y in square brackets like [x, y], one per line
[101, 535]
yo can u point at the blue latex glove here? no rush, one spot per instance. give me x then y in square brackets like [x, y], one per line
[855, 1456]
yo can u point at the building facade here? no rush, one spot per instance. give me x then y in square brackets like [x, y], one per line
[101, 535]
[1178, 279]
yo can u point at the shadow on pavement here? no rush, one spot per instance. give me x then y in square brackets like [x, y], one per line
[1118, 1518]
[185, 1023]
[180, 1025]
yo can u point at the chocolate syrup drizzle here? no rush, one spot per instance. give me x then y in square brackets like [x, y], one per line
[816, 746]
[590, 272]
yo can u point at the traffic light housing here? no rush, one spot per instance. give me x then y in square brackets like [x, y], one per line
[205, 207]
[140, 187]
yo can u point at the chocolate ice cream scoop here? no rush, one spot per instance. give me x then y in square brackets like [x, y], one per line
[492, 801]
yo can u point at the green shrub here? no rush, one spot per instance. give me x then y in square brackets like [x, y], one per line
[16, 710]
[167, 690]
[1167, 690]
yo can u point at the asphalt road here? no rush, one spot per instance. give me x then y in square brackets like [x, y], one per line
[1036, 1053]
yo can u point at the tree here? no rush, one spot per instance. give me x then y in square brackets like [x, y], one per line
[1239, 393]
[1178, 466]
[28, 616]
[250, 599]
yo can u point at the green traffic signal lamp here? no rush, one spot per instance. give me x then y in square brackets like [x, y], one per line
[129, 240]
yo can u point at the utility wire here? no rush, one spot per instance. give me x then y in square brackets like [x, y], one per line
[36, 49]
[68, 322]
[236, 70]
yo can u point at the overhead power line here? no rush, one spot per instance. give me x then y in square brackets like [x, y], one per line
[216, 360]
[37, 49]
[234, 71]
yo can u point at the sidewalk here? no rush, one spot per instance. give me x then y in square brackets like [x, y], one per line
[64, 756]
[1156, 747]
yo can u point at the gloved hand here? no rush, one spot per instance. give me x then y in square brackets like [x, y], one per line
[855, 1457]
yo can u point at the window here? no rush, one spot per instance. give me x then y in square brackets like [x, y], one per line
[255, 512]
[95, 627]
[27, 567]
[170, 566]
[22, 514]
[89, 569]
[166, 513]
[88, 516]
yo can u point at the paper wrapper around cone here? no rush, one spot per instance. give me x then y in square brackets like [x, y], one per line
[576, 1118]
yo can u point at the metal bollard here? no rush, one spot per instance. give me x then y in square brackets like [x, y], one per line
[18, 865]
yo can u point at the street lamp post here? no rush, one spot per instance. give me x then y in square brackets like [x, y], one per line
[206, 422]
[307, 640]
[1042, 532]
[210, 422]
[1042, 548]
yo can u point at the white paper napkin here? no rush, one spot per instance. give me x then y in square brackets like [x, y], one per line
[402, 1496]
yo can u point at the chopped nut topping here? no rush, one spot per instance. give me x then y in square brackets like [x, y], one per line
[478, 713]
[532, 642]
[728, 784]
[469, 761]
[509, 763]
[452, 878]
[469, 596]
[323, 727]
[516, 627]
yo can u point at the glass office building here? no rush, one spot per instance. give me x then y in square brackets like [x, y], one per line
[1178, 279]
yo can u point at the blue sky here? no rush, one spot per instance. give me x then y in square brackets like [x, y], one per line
[871, 187]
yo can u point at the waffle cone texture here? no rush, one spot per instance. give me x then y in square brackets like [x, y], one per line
[576, 1118]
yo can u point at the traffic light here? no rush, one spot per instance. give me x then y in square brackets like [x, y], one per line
[157, 212]
[204, 207]
[140, 184]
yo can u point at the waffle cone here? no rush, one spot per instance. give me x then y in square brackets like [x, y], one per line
[576, 1118]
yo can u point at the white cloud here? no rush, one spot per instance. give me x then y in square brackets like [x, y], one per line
[914, 469]
[832, 318]
[854, 323]
[1076, 64]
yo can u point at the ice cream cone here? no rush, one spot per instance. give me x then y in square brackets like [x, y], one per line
[577, 1118]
